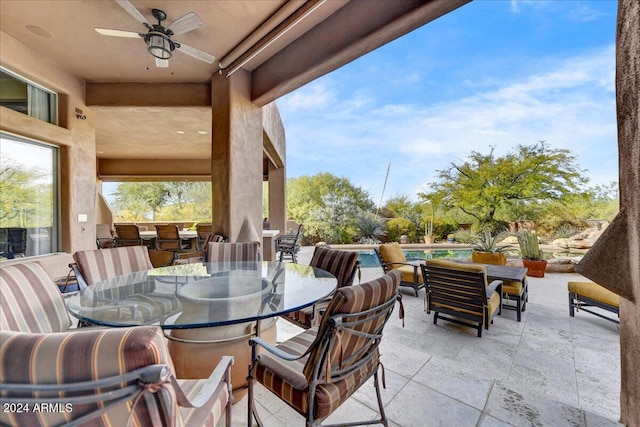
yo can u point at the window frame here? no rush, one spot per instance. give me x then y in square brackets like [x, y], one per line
[56, 209]
[29, 82]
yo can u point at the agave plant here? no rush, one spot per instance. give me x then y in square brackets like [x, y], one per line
[486, 243]
[370, 228]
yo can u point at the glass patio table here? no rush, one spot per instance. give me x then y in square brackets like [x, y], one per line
[207, 310]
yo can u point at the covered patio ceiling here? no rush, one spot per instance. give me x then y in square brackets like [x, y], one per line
[140, 108]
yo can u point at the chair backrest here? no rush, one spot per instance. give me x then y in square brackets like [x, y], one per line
[392, 252]
[104, 238]
[128, 235]
[452, 284]
[351, 330]
[231, 252]
[168, 237]
[30, 301]
[342, 264]
[16, 240]
[34, 367]
[203, 230]
[98, 265]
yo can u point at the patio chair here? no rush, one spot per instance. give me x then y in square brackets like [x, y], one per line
[316, 371]
[30, 301]
[104, 236]
[590, 294]
[161, 258]
[459, 293]
[343, 265]
[16, 242]
[200, 255]
[168, 238]
[391, 257]
[289, 244]
[232, 252]
[92, 267]
[203, 230]
[128, 235]
[96, 376]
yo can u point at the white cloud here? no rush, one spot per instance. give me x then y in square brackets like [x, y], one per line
[572, 105]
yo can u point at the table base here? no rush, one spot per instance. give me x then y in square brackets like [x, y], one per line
[196, 352]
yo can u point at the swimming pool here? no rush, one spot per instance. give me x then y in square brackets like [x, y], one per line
[369, 258]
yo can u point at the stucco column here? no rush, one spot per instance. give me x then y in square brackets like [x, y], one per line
[277, 198]
[236, 159]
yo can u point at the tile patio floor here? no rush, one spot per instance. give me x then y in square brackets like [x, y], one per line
[548, 370]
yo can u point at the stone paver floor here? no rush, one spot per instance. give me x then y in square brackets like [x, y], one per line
[548, 370]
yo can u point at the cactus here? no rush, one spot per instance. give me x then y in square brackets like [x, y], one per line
[528, 241]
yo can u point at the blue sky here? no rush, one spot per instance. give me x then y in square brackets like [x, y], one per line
[491, 73]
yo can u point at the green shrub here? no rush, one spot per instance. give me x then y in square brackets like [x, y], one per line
[396, 227]
[443, 227]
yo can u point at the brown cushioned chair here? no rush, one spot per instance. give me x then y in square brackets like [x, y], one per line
[458, 291]
[168, 238]
[95, 376]
[104, 236]
[200, 255]
[30, 301]
[231, 252]
[343, 265]
[95, 266]
[203, 230]
[318, 370]
[392, 257]
[128, 235]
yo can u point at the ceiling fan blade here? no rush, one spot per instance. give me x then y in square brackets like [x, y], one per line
[196, 53]
[162, 63]
[118, 33]
[185, 23]
[131, 10]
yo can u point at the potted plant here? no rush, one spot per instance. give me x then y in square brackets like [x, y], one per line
[451, 238]
[486, 250]
[428, 228]
[531, 254]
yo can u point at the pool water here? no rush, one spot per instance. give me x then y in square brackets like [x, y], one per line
[369, 258]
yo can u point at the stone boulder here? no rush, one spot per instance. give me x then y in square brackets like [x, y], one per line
[583, 240]
[560, 265]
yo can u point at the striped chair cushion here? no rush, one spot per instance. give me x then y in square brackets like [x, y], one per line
[339, 263]
[30, 301]
[82, 355]
[231, 252]
[99, 265]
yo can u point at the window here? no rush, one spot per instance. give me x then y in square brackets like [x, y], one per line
[27, 98]
[28, 197]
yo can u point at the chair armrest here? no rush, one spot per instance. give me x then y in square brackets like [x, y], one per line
[222, 372]
[493, 286]
[402, 263]
[254, 342]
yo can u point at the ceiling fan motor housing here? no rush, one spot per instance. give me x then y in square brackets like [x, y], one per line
[158, 42]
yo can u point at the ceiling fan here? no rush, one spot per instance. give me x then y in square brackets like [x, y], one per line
[158, 38]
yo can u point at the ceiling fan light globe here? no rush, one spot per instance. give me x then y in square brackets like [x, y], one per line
[160, 46]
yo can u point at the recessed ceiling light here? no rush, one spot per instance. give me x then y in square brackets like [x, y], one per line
[202, 132]
[39, 31]
[181, 132]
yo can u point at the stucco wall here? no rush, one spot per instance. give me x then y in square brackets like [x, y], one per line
[76, 138]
